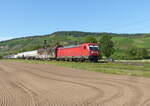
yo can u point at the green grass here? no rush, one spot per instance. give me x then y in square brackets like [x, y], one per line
[110, 68]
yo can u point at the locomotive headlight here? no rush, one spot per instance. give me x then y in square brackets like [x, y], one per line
[92, 52]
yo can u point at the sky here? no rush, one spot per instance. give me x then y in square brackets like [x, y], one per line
[20, 18]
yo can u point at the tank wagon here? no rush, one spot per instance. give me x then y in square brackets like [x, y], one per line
[81, 52]
[28, 55]
[24, 55]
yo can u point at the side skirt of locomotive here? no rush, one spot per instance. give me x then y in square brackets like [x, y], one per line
[79, 58]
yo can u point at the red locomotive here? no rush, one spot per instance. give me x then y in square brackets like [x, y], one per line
[82, 52]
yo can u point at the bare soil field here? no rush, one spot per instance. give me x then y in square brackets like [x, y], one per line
[28, 84]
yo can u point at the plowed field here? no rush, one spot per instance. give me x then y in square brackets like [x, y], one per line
[26, 84]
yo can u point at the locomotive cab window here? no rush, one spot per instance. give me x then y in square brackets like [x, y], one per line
[92, 47]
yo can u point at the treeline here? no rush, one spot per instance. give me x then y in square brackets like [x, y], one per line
[83, 34]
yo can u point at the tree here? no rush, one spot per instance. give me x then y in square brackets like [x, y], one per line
[90, 39]
[107, 45]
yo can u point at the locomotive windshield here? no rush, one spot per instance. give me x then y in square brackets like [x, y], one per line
[95, 48]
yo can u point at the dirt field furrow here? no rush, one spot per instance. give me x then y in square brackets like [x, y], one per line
[24, 84]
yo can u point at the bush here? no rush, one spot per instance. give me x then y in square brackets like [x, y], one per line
[119, 56]
[131, 54]
[1, 57]
[137, 53]
[142, 52]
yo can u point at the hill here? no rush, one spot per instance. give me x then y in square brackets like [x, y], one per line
[122, 41]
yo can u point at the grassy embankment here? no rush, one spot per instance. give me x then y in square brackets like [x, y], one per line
[140, 69]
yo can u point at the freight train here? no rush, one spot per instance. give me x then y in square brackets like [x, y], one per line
[81, 52]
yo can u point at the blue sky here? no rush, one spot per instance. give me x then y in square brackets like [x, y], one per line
[37, 17]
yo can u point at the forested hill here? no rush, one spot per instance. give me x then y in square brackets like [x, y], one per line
[122, 41]
[83, 34]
